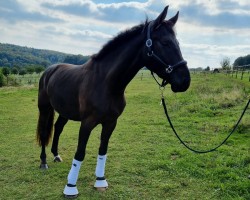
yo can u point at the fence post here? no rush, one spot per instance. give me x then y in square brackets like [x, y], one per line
[242, 75]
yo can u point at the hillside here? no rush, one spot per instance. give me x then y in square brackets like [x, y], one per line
[14, 55]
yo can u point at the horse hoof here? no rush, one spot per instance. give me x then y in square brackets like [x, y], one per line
[101, 189]
[101, 185]
[70, 196]
[58, 159]
[44, 166]
[70, 191]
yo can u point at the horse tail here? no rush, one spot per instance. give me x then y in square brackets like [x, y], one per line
[46, 115]
[45, 126]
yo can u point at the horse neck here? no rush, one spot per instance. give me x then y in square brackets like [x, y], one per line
[124, 65]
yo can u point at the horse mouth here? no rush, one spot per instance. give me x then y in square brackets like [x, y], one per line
[180, 88]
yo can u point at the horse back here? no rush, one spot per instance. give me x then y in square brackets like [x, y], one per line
[76, 92]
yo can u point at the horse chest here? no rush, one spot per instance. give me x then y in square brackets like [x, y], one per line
[103, 105]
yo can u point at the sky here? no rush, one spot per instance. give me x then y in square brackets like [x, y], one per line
[208, 30]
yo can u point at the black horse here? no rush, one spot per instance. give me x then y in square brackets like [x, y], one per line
[93, 93]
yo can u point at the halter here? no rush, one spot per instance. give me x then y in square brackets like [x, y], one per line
[150, 53]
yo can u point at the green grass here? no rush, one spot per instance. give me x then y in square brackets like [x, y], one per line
[145, 159]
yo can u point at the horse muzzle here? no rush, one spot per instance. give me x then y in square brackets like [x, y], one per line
[181, 86]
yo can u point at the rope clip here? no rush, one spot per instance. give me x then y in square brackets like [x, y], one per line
[162, 89]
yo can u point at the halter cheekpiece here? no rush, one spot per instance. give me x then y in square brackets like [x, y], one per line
[150, 53]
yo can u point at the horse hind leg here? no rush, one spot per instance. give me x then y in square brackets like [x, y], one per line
[44, 128]
[58, 128]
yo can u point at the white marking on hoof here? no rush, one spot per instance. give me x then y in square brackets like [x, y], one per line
[58, 158]
[70, 192]
[101, 185]
[44, 166]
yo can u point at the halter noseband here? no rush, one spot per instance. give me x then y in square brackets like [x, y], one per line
[150, 53]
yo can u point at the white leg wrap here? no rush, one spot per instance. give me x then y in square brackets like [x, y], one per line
[100, 171]
[100, 166]
[74, 171]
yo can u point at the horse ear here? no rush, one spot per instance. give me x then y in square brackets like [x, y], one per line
[174, 19]
[160, 18]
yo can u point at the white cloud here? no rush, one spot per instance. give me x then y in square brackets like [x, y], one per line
[207, 30]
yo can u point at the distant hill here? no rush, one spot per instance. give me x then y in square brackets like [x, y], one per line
[18, 56]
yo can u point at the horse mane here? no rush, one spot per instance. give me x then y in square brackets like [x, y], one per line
[119, 40]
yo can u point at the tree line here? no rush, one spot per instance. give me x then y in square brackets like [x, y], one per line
[14, 56]
[20, 60]
[242, 61]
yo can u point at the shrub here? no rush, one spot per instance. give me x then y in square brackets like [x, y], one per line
[22, 72]
[5, 71]
[39, 69]
[1, 78]
[14, 70]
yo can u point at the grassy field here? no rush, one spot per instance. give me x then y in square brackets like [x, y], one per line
[145, 159]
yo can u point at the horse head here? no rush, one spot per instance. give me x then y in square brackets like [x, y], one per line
[163, 55]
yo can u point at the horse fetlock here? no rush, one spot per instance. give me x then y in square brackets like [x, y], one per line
[70, 191]
[58, 158]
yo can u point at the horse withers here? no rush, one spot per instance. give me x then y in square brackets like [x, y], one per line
[93, 93]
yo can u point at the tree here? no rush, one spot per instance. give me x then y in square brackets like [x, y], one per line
[39, 69]
[207, 68]
[30, 69]
[76, 59]
[225, 63]
[1, 78]
[240, 61]
[45, 63]
[5, 71]
[22, 72]
[14, 70]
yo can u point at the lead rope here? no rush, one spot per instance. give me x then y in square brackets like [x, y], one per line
[162, 85]
[191, 149]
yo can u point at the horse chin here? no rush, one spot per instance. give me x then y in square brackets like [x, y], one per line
[180, 85]
[181, 88]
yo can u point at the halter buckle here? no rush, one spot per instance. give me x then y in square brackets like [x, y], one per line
[150, 53]
[169, 69]
[149, 43]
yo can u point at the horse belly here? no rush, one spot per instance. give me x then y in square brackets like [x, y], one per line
[65, 101]
[66, 108]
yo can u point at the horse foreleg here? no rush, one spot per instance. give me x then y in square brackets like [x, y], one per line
[70, 189]
[60, 123]
[101, 183]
